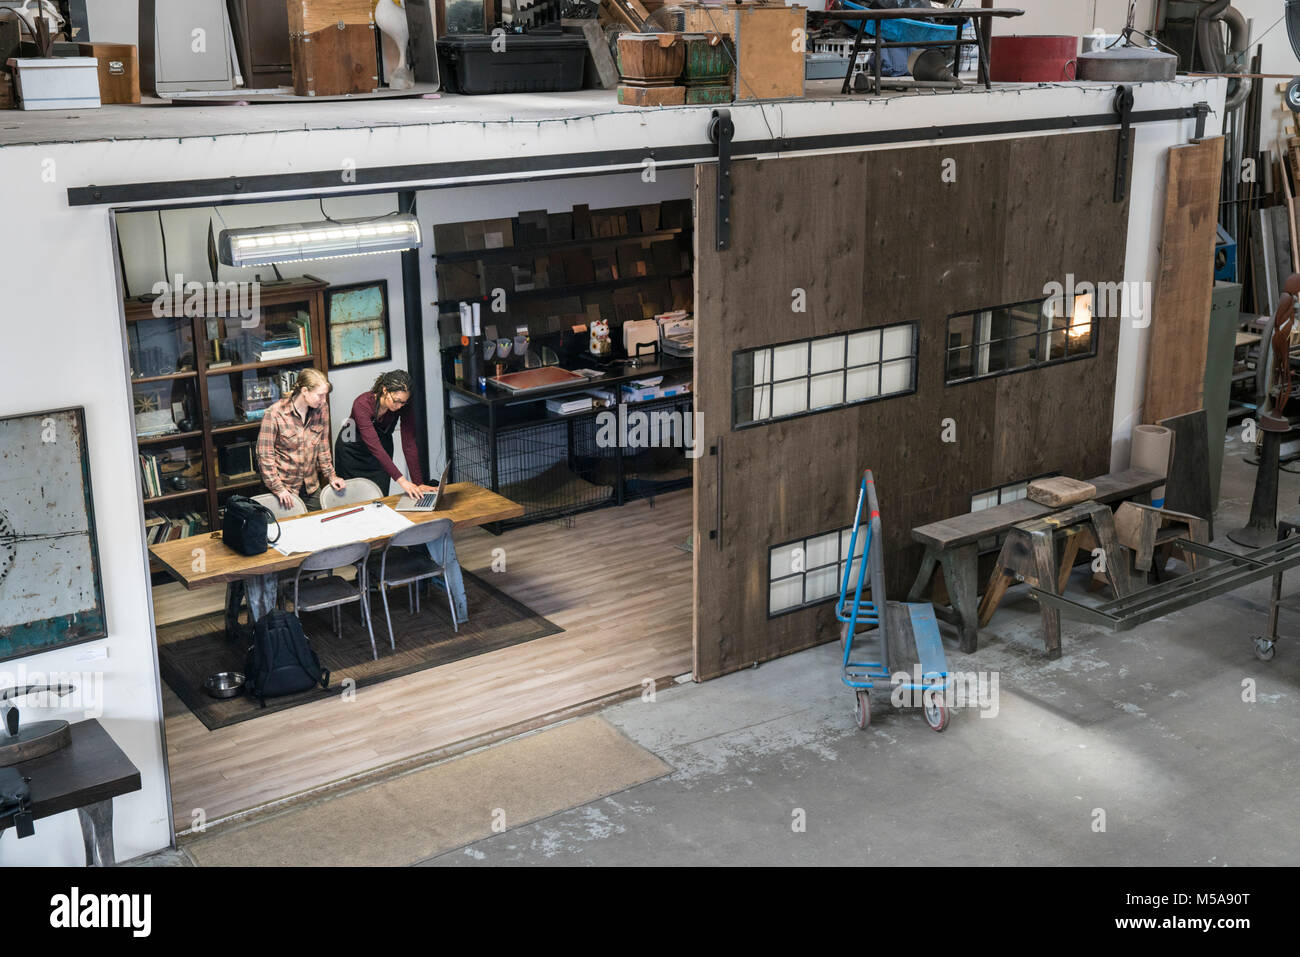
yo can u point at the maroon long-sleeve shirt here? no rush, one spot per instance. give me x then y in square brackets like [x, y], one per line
[363, 414]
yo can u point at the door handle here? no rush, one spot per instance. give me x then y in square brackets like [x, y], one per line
[716, 451]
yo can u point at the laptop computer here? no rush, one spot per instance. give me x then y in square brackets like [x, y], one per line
[427, 502]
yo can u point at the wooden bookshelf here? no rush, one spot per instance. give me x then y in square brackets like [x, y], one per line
[169, 369]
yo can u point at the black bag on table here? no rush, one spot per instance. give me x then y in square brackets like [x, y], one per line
[244, 526]
[280, 659]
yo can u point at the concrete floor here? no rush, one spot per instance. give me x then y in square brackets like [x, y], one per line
[1132, 749]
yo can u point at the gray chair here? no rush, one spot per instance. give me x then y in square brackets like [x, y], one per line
[355, 490]
[299, 507]
[334, 591]
[410, 565]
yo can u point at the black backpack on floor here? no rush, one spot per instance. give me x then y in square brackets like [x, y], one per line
[280, 661]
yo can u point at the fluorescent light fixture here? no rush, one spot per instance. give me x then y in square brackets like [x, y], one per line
[297, 242]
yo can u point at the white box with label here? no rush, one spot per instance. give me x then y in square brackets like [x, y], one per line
[57, 83]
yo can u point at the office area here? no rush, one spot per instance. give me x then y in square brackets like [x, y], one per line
[659, 611]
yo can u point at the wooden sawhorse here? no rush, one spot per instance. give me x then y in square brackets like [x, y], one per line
[1029, 555]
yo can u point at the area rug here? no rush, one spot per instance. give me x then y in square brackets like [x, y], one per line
[424, 640]
[423, 813]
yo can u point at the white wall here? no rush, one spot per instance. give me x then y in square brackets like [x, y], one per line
[62, 346]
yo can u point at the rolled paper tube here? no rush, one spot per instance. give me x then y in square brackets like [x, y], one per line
[1151, 447]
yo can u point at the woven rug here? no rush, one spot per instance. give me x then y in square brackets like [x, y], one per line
[189, 652]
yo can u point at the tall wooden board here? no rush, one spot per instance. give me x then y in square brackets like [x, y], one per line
[1180, 322]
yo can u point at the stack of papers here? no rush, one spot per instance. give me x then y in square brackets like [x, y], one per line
[311, 533]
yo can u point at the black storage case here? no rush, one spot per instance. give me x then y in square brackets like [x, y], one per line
[530, 63]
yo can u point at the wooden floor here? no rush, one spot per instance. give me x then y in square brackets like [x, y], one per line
[615, 581]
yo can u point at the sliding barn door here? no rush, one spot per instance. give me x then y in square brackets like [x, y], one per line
[824, 347]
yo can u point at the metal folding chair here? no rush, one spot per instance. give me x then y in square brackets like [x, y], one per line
[334, 591]
[409, 566]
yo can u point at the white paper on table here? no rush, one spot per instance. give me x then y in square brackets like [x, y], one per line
[311, 534]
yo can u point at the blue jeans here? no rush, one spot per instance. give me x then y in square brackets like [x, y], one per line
[443, 551]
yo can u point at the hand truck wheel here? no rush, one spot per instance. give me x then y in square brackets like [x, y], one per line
[863, 711]
[1265, 648]
[936, 712]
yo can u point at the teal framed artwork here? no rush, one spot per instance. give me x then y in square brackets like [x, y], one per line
[356, 319]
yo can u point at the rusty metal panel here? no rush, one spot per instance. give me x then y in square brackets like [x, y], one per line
[50, 590]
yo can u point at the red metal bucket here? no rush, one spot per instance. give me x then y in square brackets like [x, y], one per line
[1033, 59]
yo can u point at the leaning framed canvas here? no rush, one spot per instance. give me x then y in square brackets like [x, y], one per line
[50, 590]
[356, 317]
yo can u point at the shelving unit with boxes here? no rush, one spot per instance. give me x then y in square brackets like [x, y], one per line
[553, 274]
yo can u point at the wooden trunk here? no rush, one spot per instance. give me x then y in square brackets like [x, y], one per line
[335, 61]
[119, 71]
[708, 18]
[650, 59]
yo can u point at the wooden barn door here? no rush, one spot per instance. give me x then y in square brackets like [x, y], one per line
[820, 351]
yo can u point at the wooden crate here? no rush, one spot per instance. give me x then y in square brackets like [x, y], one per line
[119, 71]
[709, 18]
[308, 16]
[771, 65]
[335, 61]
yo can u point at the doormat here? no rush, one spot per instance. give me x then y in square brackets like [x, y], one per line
[424, 640]
[424, 813]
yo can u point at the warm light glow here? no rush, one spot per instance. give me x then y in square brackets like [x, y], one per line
[1081, 321]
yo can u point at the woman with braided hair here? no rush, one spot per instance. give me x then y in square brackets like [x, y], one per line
[364, 449]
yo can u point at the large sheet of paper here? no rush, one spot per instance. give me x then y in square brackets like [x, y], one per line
[311, 534]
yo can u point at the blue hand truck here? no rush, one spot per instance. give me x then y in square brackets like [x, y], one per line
[894, 631]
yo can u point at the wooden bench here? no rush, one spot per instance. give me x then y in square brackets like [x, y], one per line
[954, 545]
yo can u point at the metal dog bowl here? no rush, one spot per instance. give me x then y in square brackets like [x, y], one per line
[224, 684]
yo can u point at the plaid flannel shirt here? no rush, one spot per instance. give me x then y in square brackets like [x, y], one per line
[291, 451]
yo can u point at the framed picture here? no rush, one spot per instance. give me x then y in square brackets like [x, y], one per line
[50, 589]
[356, 321]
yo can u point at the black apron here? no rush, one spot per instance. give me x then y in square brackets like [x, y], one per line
[354, 460]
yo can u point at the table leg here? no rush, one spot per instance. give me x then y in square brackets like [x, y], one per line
[922, 583]
[960, 571]
[234, 601]
[97, 832]
[1045, 569]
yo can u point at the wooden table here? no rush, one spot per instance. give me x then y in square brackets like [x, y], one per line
[206, 560]
[953, 544]
[85, 776]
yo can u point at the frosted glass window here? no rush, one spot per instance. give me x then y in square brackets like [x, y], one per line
[814, 375]
[821, 561]
[827, 390]
[828, 354]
